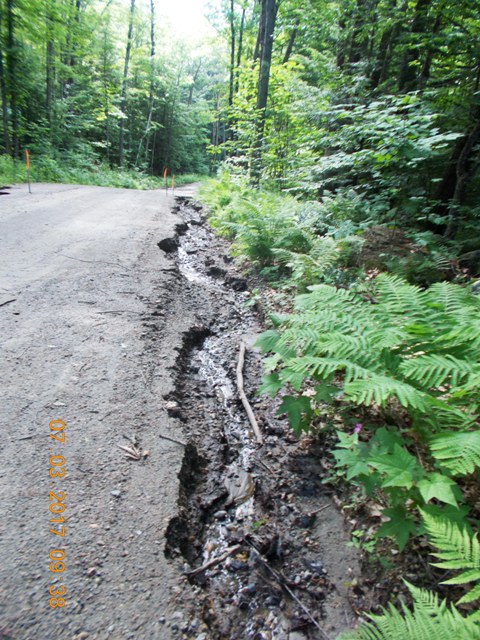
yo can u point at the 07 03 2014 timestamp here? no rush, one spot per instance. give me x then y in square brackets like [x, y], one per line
[57, 508]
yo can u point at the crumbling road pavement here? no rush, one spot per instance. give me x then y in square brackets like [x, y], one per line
[84, 297]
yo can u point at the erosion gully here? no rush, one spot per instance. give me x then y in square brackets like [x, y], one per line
[259, 515]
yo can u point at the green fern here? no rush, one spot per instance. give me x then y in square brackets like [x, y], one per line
[429, 620]
[458, 548]
[437, 370]
[405, 347]
[458, 452]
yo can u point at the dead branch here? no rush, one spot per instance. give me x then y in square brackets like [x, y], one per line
[183, 444]
[120, 311]
[2, 304]
[282, 581]
[243, 397]
[214, 561]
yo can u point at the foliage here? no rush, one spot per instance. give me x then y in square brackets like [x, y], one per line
[67, 93]
[76, 171]
[457, 548]
[429, 619]
[294, 242]
[411, 353]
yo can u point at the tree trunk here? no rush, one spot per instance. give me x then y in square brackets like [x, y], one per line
[384, 51]
[151, 97]
[12, 78]
[260, 35]
[356, 47]
[194, 80]
[464, 172]
[291, 43]
[240, 50]
[121, 142]
[50, 63]
[408, 80]
[425, 74]
[232, 53]
[4, 97]
[269, 16]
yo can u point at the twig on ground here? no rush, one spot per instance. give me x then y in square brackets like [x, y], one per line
[282, 581]
[325, 506]
[265, 466]
[243, 397]
[184, 444]
[2, 304]
[120, 311]
[131, 452]
[214, 561]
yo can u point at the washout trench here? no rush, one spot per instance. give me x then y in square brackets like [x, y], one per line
[258, 533]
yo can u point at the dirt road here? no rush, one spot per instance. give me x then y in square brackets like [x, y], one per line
[84, 292]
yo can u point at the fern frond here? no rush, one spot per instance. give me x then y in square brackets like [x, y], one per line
[458, 548]
[322, 368]
[429, 620]
[451, 298]
[459, 452]
[398, 297]
[379, 389]
[436, 370]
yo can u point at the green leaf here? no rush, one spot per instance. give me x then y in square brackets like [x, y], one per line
[271, 384]
[353, 461]
[440, 487]
[268, 340]
[400, 526]
[325, 392]
[298, 410]
[400, 468]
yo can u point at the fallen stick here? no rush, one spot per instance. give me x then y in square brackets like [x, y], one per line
[2, 304]
[214, 561]
[282, 581]
[119, 311]
[184, 444]
[325, 506]
[243, 397]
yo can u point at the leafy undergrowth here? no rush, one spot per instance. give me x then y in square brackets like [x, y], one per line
[399, 364]
[76, 169]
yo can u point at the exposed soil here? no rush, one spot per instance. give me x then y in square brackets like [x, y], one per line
[291, 573]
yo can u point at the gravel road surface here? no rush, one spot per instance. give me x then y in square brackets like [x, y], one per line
[84, 293]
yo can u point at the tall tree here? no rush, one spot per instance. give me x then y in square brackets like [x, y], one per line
[12, 76]
[123, 101]
[3, 90]
[265, 38]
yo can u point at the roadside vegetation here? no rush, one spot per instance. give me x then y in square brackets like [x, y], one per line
[356, 214]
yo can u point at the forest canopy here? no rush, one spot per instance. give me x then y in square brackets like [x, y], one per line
[375, 101]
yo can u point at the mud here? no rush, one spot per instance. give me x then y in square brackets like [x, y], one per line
[292, 574]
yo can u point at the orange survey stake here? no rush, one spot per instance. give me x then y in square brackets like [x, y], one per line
[27, 158]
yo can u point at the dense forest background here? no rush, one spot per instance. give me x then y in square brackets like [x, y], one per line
[376, 101]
